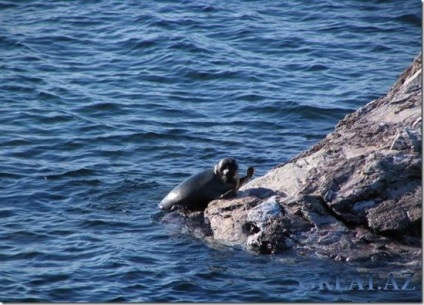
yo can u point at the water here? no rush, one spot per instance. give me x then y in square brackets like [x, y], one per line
[107, 105]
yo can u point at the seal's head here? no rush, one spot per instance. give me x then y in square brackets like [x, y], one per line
[227, 170]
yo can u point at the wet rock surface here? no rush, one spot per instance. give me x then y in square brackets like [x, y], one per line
[354, 196]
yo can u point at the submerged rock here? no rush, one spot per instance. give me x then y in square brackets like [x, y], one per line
[356, 195]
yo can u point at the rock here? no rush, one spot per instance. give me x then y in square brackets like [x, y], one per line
[265, 222]
[407, 138]
[399, 216]
[228, 219]
[354, 196]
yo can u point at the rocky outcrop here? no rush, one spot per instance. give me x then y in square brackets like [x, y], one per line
[356, 195]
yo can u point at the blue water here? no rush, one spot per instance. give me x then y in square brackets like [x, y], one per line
[107, 105]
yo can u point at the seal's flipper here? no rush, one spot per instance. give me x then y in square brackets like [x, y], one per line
[249, 174]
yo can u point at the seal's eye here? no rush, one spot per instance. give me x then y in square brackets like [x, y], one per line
[232, 166]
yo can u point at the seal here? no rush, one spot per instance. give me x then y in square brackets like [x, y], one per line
[195, 193]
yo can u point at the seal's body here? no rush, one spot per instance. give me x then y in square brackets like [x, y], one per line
[198, 190]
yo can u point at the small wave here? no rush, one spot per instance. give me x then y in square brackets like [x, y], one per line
[102, 224]
[136, 44]
[317, 67]
[4, 5]
[47, 96]
[410, 19]
[101, 107]
[82, 172]
[21, 255]
[210, 75]
[291, 109]
[6, 213]
[185, 45]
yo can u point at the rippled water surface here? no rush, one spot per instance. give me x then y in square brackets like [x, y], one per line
[106, 105]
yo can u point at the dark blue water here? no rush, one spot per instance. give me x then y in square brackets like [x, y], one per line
[106, 105]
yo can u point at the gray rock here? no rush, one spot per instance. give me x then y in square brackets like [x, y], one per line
[356, 195]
